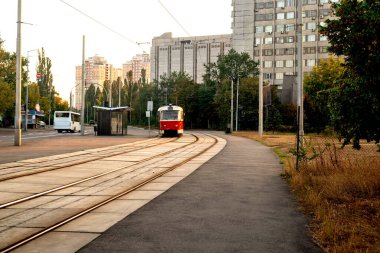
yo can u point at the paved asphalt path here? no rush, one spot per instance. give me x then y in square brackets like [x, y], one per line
[236, 202]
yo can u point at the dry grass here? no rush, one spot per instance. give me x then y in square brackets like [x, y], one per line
[338, 188]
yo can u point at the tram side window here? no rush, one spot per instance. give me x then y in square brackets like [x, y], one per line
[169, 115]
[62, 115]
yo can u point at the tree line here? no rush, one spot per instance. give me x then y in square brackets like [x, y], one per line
[342, 93]
[42, 92]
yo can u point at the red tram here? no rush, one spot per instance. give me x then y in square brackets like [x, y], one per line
[171, 120]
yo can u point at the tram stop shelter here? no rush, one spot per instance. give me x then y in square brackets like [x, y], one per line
[111, 120]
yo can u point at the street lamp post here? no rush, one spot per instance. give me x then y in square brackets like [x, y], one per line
[17, 138]
[261, 91]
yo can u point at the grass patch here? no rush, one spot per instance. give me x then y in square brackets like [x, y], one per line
[339, 188]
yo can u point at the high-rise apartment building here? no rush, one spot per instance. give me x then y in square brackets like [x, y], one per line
[270, 26]
[136, 65]
[97, 70]
[186, 54]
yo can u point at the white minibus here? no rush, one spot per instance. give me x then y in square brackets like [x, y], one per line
[67, 121]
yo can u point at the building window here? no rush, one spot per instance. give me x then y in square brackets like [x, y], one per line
[268, 28]
[309, 50]
[290, 2]
[267, 5]
[308, 38]
[279, 64]
[259, 29]
[290, 15]
[322, 38]
[284, 51]
[280, 3]
[310, 63]
[322, 49]
[280, 16]
[311, 26]
[267, 75]
[307, 2]
[267, 64]
[268, 40]
[324, 12]
[280, 76]
[289, 63]
[290, 39]
[257, 41]
[289, 27]
[309, 14]
[279, 40]
[264, 17]
[268, 52]
[280, 28]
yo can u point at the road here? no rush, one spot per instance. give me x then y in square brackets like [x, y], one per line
[44, 142]
[7, 134]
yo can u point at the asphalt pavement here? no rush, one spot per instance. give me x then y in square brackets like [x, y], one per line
[236, 202]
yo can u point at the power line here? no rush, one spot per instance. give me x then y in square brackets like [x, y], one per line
[166, 9]
[100, 23]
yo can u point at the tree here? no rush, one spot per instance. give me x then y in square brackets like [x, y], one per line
[8, 83]
[44, 69]
[233, 67]
[317, 86]
[355, 102]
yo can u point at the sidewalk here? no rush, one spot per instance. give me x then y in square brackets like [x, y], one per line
[236, 202]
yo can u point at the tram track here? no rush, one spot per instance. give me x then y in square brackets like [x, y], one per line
[176, 157]
[39, 165]
[85, 179]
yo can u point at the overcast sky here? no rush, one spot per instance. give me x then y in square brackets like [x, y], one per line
[59, 29]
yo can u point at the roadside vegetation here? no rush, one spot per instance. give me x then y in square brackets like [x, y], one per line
[338, 188]
[41, 93]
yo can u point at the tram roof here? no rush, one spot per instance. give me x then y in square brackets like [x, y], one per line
[122, 108]
[170, 107]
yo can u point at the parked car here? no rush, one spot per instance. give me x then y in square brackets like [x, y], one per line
[41, 124]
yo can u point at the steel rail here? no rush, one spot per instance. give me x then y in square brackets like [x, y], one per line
[67, 220]
[48, 168]
[14, 202]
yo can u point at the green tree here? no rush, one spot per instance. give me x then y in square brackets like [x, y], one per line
[273, 117]
[232, 67]
[8, 83]
[355, 102]
[317, 86]
[44, 69]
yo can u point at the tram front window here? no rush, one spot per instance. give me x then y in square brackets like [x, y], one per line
[169, 115]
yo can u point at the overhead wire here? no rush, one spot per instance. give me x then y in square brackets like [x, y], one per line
[171, 15]
[199, 52]
[102, 24]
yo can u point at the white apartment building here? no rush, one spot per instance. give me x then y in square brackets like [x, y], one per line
[270, 25]
[186, 54]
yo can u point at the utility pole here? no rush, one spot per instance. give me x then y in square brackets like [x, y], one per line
[237, 104]
[300, 74]
[232, 105]
[118, 82]
[110, 86]
[83, 84]
[17, 139]
[261, 91]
